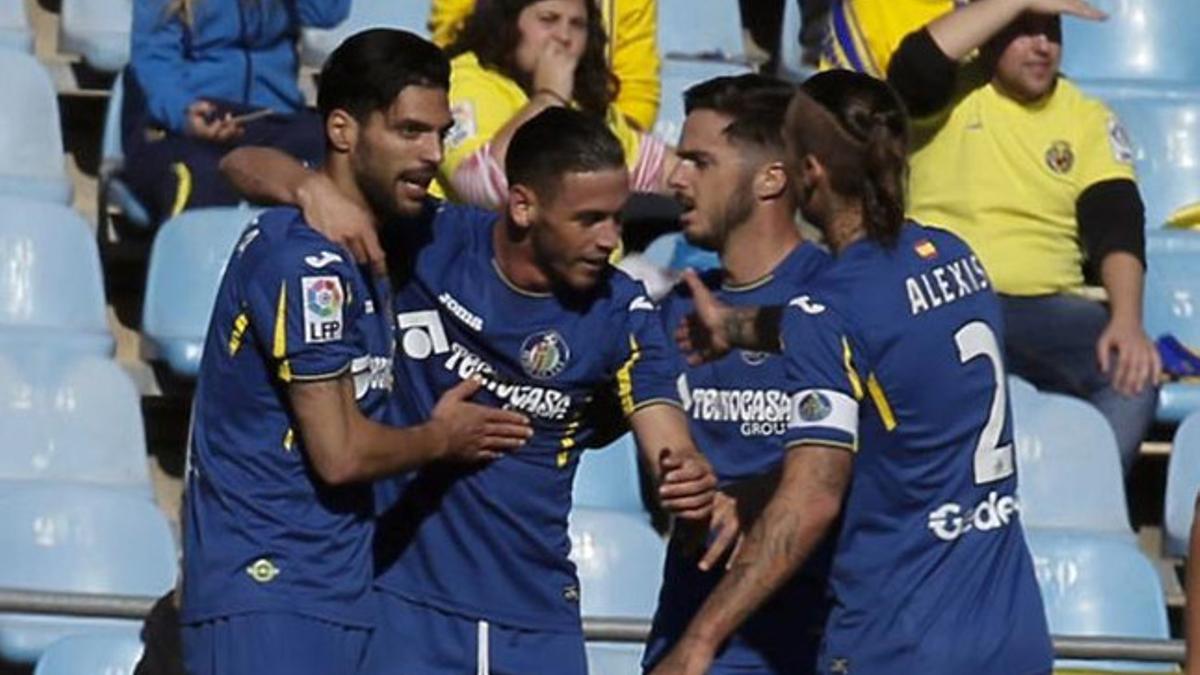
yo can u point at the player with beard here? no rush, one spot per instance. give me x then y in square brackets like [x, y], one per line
[738, 202]
[295, 390]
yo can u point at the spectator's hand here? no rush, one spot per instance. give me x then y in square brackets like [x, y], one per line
[702, 334]
[1077, 8]
[688, 657]
[687, 483]
[342, 221]
[555, 71]
[200, 123]
[477, 433]
[726, 527]
[1128, 357]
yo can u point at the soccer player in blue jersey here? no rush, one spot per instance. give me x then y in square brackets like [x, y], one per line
[737, 200]
[900, 424]
[295, 387]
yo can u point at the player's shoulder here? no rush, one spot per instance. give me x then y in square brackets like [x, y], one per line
[625, 293]
[279, 241]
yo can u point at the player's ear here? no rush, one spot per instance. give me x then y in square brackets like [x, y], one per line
[341, 130]
[771, 181]
[522, 205]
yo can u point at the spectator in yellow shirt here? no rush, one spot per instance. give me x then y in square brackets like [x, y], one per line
[514, 59]
[1038, 178]
[632, 51]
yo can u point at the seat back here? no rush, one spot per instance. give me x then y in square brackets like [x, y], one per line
[316, 44]
[619, 559]
[51, 288]
[1183, 484]
[32, 162]
[186, 265]
[91, 653]
[1141, 40]
[1172, 295]
[98, 30]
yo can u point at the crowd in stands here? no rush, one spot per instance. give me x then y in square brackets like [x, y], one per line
[1039, 176]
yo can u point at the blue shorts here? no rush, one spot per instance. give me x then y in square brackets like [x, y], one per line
[266, 643]
[415, 639]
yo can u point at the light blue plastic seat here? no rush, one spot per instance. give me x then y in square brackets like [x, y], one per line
[316, 44]
[1141, 40]
[1101, 587]
[51, 289]
[32, 164]
[15, 31]
[613, 658]
[1183, 483]
[678, 76]
[608, 478]
[186, 263]
[97, 30]
[71, 420]
[703, 29]
[91, 654]
[80, 539]
[1064, 441]
[1163, 123]
[1172, 306]
[113, 191]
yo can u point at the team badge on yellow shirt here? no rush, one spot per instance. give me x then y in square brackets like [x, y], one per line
[1060, 158]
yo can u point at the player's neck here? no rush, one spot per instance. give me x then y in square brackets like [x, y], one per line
[515, 261]
[756, 247]
[343, 178]
[846, 226]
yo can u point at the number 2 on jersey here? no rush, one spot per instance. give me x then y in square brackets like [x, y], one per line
[993, 461]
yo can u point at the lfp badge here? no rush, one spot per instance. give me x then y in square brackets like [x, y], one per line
[323, 300]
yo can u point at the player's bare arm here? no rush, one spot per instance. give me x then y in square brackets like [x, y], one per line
[715, 328]
[736, 508]
[686, 481]
[346, 447]
[804, 507]
[271, 176]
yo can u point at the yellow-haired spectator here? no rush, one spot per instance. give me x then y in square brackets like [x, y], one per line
[632, 51]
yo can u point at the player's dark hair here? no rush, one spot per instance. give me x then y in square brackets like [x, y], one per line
[491, 33]
[756, 105]
[558, 141]
[857, 128]
[369, 70]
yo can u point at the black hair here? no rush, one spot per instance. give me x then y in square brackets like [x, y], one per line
[491, 33]
[558, 141]
[756, 105]
[856, 126]
[369, 70]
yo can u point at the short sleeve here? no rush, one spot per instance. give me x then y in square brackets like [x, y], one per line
[824, 383]
[304, 304]
[1106, 151]
[650, 365]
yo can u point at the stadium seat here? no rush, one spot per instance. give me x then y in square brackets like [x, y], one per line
[613, 658]
[619, 559]
[608, 478]
[1141, 40]
[316, 44]
[32, 164]
[1163, 123]
[700, 29]
[97, 30]
[71, 420]
[77, 539]
[1183, 483]
[186, 264]
[113, 191]
[1065, 441]
[1171, 295]
[15, 32]
[51, 289]
[91, 654]
[677, 76]
[1098, 586]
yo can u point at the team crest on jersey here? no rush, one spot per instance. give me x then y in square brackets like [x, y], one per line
[1060, 157]
[814, 407]
[323, 299]
[544, 354]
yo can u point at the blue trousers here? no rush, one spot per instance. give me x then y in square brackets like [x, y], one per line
[1050, 340]
[272, 643]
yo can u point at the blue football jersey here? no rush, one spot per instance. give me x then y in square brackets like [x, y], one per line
[897, 357]
[491, 542]
[738, 408]
[261, 530]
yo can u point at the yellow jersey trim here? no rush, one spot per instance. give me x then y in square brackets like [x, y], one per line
[240, 322]
[848, 362]
[881, 402]
[625, 377]
[183, 189]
